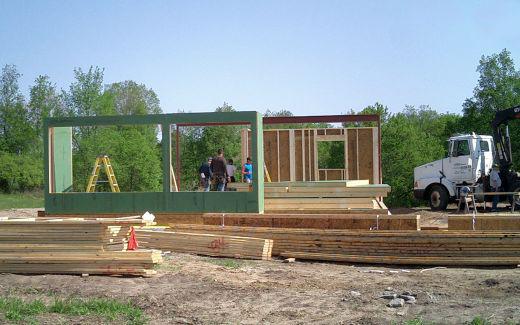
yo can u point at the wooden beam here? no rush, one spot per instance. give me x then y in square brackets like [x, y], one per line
[292, 159]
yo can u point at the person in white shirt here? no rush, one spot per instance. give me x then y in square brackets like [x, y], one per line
[495, 182]
[231, 170]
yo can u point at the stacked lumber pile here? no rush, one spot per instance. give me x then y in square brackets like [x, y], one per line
[318, 221]
[207, 244]
[72, 247]
[485, 222]
[321, 195]
[385, 247]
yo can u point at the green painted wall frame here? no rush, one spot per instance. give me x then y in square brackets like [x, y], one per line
[62, 154]
[165, 201]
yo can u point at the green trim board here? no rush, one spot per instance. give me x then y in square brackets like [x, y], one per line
[156, 202]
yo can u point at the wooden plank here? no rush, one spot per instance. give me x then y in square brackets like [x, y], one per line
[278, 155]
[73, 246]
[331, 221]
[484, 222]
[298, 154]
[208, 244]
[304, 157]
[381, 246]
[346, 154]
[357, 154]
[315, 156]
[375, 156]
[366, 154]
[332, 137]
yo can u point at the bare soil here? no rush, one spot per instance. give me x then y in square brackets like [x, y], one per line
[200, 290]
[195, 290]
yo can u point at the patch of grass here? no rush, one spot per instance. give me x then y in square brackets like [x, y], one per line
[168, 266]
[479, 320]
[415, 321]
[21, 200]
[16, 309]
[229, 263]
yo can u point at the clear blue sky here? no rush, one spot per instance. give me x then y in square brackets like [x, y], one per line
[311, 57]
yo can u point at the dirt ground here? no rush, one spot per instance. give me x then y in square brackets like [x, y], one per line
[196, 290]
[200, 290]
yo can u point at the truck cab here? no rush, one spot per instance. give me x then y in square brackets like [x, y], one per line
[470, 158]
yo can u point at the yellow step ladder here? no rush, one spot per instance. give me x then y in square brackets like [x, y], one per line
[101, 161]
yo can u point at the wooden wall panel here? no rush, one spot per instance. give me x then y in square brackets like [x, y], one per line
[365, 154]
[290, 154]
[271, 154]
[352, 154]
[285, 173]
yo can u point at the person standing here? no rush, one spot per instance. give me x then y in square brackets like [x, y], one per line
[495, 182]
[205, 174]
[218, 167]
[231, 170]
[247, 171]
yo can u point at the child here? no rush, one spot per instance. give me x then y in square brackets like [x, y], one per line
[247, 171]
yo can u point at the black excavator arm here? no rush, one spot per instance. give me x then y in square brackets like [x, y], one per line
[502, 141]
[503, 155]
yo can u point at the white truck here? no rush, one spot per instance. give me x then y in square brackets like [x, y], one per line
[470, 159]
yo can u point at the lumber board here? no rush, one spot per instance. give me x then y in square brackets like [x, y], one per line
[207, 244]
[388, 247]
[73, 246]
[485, 222]
[451, 261]
[332, 221]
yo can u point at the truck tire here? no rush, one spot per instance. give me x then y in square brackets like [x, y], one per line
[438, 198]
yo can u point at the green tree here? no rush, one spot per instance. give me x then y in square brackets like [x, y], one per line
[377, 108]
[16, 134]
[498, 88]
[406, 145]
[44, 102]
[133, 149]
[84, 97]
[131, 98]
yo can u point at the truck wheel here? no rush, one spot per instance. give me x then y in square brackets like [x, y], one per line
[438, 198]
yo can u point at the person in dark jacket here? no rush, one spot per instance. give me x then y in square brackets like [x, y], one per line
[218, 167]
[206, 174]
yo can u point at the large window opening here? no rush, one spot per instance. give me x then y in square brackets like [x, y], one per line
[331, 160]
[192, 148]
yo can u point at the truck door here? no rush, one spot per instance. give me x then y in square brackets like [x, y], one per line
[485, 157]
[460, 164]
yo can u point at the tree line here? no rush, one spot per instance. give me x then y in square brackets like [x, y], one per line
[410, 137]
